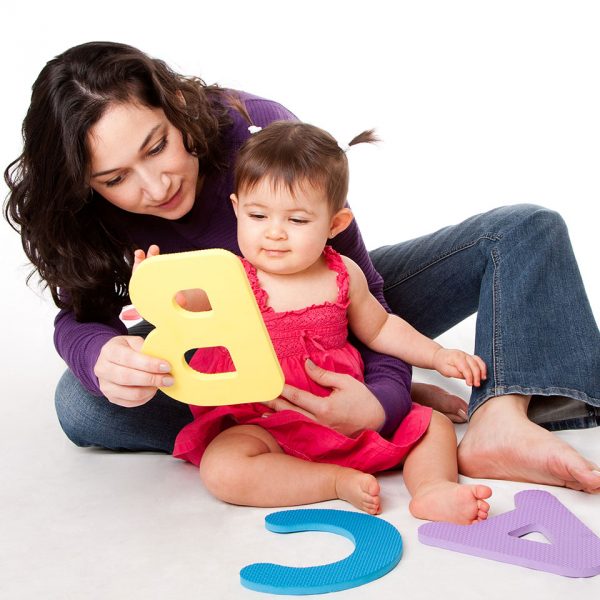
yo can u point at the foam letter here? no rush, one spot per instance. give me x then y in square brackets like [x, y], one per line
[378, 550]
[573, 551]
[234, 322]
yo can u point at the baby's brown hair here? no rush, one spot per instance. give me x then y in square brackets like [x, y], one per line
[290, 153]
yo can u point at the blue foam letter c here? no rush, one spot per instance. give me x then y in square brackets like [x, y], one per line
[378, 550]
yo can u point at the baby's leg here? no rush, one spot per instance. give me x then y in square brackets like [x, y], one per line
[245, 465]
[431, 476]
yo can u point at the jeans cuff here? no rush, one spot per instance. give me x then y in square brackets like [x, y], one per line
[553, 412]
[556, 413]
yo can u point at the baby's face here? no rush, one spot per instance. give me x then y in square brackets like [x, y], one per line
[280, 232]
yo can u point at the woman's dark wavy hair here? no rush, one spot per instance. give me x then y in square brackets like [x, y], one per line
[85, 266]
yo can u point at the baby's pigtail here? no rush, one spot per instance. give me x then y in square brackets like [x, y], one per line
[366, 137]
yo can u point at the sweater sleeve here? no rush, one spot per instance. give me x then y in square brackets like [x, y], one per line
[387, 377]
[79, 345]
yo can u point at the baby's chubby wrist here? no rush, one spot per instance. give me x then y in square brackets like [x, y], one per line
[437, 356]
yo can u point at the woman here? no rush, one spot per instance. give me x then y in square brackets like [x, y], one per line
[121, 152]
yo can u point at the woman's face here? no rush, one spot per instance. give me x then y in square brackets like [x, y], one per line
[139, 163]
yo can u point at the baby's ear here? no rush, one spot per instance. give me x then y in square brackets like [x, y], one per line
[340, 221]
[234, 203]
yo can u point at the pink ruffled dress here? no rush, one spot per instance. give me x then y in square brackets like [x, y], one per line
[318, 332]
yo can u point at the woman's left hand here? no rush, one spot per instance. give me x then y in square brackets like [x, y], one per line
[349, 409]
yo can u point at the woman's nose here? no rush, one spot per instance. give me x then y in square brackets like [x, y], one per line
[157, 187]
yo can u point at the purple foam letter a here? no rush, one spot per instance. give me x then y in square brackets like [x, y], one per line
[573, 551]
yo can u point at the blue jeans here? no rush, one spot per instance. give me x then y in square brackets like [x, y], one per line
[514, 266]
[535, 329]
[93, 421]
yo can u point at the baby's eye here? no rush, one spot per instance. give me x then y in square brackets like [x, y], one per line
[257, 216]
[298, 221]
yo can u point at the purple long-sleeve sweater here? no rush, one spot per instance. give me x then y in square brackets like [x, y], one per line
[211, 224]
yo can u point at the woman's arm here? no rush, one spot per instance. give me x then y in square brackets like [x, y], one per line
[79, 345]
[388, 378]
[109, 362]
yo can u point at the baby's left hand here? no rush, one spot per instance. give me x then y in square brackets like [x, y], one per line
[459, 364]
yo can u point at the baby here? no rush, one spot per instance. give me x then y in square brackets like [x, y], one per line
[290, 203]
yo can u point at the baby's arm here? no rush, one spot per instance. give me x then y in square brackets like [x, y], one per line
[389, 334]
[193, 300]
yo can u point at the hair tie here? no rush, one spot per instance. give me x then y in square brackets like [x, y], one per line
[254, 128]
[344, 148]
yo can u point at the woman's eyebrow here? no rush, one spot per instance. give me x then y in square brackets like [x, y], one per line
[144, 144]
[149, 136]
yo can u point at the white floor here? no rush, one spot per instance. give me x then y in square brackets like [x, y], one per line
[88, 524]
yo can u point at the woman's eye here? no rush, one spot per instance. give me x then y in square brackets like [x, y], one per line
[158, 148]
[113, 182]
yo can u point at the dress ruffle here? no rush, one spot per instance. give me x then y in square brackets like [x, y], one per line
[304, 438]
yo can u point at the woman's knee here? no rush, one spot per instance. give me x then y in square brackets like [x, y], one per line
[537, 220]
[69, 401]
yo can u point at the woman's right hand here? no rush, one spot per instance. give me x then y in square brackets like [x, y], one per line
[126, 376]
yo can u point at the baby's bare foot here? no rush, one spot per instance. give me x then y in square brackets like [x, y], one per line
[360, 489]
[452, 502]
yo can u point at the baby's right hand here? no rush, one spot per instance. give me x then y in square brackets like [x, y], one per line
[139, 256]
[126, 376]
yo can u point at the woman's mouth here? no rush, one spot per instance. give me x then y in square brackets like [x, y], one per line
[173, 202]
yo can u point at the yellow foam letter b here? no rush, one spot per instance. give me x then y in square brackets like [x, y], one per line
[234, 322]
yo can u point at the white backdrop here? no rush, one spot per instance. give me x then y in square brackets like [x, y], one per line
[478, 104]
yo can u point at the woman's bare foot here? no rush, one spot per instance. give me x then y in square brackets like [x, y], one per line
[454, 407]
[452, 502]
[360, 489]
[502, 443]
